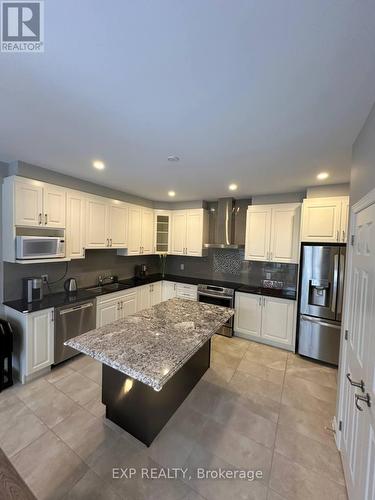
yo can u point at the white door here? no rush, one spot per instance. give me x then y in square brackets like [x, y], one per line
[258, 232]
[129, 304]
[358, 427]
[248, 314]
[40, 340]
[169, 290]
[194, 233]
[285, 233]
[321, 220]
[107, 312]
[28, 203]
[278, 320]
[344, 219]
[54, 204]
[143, 297]
[155, 293]
[75, 226]
[178, 238]
[97, 223]
[134, 230]
[118, 222]
[147, 237]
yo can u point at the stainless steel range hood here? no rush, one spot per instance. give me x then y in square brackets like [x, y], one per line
[227, 223]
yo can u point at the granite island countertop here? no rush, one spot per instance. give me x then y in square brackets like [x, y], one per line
[151, 345]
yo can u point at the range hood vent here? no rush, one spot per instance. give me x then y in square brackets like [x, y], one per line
[227, 223]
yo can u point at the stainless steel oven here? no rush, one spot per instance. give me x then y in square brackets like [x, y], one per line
[219, 296]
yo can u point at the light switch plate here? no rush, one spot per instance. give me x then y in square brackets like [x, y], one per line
[182, 267]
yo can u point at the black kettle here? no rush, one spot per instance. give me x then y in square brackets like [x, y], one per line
[70, 285]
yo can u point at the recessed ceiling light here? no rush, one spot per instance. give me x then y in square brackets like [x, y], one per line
[173, 158]
[232, 187]
[171, 194]
[99, 165]
[322, 176]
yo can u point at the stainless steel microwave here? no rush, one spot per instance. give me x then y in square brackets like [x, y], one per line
[39, 247]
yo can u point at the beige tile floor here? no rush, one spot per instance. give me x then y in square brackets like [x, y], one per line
[256, 408]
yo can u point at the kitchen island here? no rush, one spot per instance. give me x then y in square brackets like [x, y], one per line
[152, 360]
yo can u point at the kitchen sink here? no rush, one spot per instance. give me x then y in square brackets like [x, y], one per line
[114, 286]
[95, 289]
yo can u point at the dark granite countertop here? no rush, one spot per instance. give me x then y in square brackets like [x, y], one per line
[62, 298]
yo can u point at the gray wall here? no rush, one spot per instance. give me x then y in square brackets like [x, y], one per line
[327, 191]
[86, 271]
[362, 178]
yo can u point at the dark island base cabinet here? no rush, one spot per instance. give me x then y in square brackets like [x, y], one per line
[140, 410]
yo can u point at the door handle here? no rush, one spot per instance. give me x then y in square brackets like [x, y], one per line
[337, 235]
[45, 219]
[335, 280]
[366, 399]
[360, 384]
[110, 242]
[260, 301]
[343, 236]
[40, 219]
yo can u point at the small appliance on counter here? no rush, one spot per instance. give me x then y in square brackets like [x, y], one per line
[6, 348]
[32, 289]
[70, 285]
[141, 271]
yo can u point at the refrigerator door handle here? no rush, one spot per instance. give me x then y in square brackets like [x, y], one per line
[335, 281]
[341, 285]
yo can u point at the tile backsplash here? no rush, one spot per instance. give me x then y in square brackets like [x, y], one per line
[229, 265]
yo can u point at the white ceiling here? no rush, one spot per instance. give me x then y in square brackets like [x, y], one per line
[265, 93]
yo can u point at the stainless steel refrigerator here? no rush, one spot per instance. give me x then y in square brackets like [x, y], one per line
[321, 298]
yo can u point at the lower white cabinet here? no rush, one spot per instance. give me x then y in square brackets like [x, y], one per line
[186, 291]
[169, 290]
[33, 341]
[114, 306]
[270, 320]
[155, 293]
[149, 295]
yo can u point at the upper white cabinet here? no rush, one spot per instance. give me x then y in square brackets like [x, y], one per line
[36, 203]
[189, 232]
[162, 234]
[106, 223]
[75, 225]
[272, 232]
[140, 231]
[265, 319]
[325, 220]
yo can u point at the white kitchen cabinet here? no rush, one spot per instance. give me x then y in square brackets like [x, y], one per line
[269, 320]
[186, 291]
[162, 233]
[75, 225]
[114, 306]
[28, 202]
[106, 223]
[140, 231]
[118, 224]
[36, 203]
[33, 342]
[277, 320]
[248, 317]
[272, 232]
[325, 220]
[149, 295]
[189, 232]
[169, 290]
[147, 231]
[54, 204]
[156, 295]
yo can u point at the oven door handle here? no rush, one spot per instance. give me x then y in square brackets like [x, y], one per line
[225, 297]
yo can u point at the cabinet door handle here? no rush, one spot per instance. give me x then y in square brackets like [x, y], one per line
[45, 219]
[260, 301]
[338, 235]
[40, 219]
[110, 242]
[264, 301]
[343, 236]
[107, 242]
[271, 256]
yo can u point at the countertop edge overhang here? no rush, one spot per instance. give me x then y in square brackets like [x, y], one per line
[156, 383]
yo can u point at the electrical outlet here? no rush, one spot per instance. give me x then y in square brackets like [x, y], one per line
[182, 267]
[44, 278]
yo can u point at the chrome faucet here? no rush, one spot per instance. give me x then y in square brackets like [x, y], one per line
[103, 279]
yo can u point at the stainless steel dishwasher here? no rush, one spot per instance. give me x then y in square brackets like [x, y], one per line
[70, 321]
